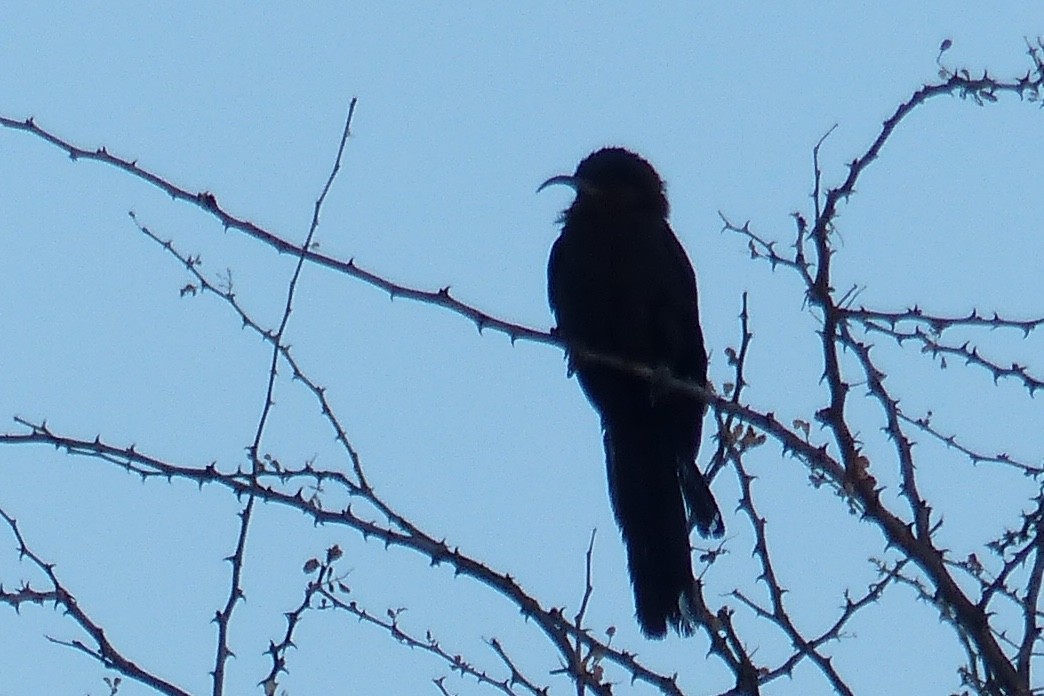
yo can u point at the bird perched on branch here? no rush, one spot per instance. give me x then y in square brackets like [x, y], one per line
[621, 287]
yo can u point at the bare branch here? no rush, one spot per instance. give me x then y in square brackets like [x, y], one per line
[102, 650]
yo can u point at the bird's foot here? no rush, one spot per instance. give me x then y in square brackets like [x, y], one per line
[661, 382]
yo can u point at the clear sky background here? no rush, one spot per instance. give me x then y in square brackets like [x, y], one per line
[463, 110]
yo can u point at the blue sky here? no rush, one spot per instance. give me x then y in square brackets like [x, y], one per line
[463, 111]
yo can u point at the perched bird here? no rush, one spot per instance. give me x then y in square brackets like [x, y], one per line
[620, 285]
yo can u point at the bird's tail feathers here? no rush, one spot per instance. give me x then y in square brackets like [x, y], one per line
[647, 501]
[703, 512]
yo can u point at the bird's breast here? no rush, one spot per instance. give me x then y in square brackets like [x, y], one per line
[613, 286]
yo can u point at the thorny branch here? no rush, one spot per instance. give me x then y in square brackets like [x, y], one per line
[990, 668]
[224, 617]
[841, 463]
[550, 620]
[100, 647]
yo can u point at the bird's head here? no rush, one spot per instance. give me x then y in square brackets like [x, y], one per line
[615, 178]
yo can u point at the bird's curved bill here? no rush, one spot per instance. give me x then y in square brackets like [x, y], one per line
[566, 179]
[574, 182]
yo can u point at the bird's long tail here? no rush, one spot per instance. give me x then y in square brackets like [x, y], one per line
[646, 493]
[704, 514]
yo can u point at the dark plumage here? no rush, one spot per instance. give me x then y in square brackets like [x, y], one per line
[620, 284]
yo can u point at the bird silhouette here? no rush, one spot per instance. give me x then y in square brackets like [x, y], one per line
[620, 285]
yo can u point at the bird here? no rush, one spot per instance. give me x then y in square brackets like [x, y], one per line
[620, 285]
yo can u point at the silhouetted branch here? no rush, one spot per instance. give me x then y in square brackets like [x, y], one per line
[924, 424]
[102, 649]
[332, 591]
[551, 621]
[587, 663]
[516, 676]
[223, 617]
[278, 651]
[208, 203]
[999, 660]
[778, 613]
[971, 619]
[937, 324]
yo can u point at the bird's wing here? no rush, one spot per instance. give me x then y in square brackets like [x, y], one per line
[677, 318]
